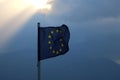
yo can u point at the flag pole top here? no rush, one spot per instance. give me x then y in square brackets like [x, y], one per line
[38, 24]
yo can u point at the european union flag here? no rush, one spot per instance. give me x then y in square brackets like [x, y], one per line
[53, 41]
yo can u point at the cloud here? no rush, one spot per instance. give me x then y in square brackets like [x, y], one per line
[84, 10]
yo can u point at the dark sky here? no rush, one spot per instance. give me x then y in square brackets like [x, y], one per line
[94, 43]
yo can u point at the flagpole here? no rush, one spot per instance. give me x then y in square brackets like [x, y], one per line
[38, 51]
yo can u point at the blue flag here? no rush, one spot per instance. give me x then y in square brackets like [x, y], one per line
[53, 41]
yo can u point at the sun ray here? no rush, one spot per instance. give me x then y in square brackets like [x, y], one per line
[15, 13]
[13, 26]
[41, 5]
[12, 23]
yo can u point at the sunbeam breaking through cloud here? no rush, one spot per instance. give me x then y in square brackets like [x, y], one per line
[13, 16]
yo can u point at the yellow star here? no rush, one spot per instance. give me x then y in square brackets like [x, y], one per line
[53, 51]
[52, 32]
[49, 36]
[57, 52]
[50, 47]
[60, 50]
[61, 40]
[57, 30]
[49, 42]
[62, 45]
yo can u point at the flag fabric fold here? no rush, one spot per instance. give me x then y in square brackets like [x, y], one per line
[53, 41]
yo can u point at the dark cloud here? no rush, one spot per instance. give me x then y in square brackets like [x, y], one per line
[83, 10]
